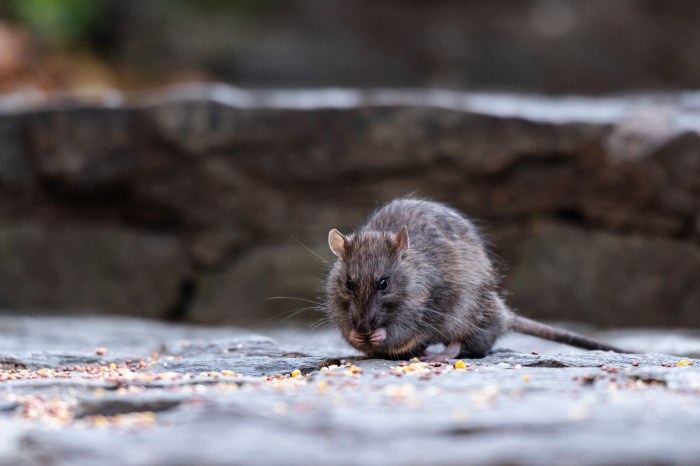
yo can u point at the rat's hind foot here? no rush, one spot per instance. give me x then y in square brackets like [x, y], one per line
[451, 351]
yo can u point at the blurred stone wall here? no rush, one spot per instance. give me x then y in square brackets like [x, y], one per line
[202, 203]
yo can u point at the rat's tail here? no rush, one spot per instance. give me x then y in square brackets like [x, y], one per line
[536, 329]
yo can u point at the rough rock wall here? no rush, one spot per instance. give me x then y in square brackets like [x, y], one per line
[195, 203]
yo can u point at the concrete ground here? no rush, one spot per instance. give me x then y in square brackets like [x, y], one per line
[112, 391]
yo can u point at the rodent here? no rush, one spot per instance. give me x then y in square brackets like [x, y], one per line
[417, 274]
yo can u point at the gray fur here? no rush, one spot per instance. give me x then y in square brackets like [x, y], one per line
[443, 288]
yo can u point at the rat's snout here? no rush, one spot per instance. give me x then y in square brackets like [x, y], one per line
[374, 338]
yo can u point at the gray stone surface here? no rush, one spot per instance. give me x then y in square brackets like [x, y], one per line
[512, 407]
[80, 268]
[615, 273]
[15, 168]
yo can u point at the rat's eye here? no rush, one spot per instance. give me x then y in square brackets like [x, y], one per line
[382, 283]
[350, 284]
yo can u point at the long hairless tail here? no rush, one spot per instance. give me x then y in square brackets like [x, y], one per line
[530, 327]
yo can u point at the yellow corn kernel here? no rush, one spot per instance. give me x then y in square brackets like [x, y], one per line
[460, 365]
[322, 385]
[99, 421]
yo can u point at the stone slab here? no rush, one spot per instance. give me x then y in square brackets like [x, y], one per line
[182, 407]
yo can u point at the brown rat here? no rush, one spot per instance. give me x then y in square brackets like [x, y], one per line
[417, 274]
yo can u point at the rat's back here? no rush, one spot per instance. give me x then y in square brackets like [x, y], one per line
[431, 225]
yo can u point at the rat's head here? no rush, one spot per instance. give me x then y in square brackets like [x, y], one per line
[367, 290]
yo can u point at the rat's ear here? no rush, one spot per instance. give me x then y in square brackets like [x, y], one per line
[339, 244]
[401, 239]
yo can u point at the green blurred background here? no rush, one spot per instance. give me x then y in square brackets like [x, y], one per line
[550, 46]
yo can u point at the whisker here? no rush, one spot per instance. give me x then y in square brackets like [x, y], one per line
[428, 325]
[286, 315]
[294, 298]
[321, 324]
[309, 249]
[295, 312]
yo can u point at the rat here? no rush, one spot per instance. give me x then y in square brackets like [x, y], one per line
[418, 274]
